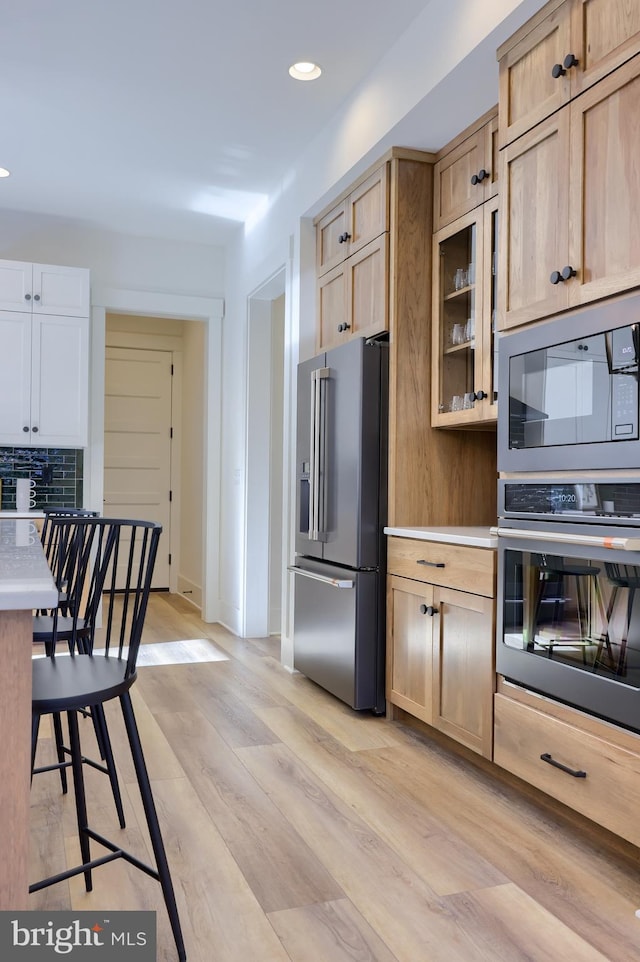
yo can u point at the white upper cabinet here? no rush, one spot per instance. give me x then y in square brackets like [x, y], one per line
[44, 355]
[44, 289]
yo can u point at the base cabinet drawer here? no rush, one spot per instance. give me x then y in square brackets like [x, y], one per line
[449, 565]
[588, 773]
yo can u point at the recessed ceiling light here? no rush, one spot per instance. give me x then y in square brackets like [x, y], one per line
[305, 71]
[4, 172]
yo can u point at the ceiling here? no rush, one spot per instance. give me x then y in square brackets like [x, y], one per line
[173, 120]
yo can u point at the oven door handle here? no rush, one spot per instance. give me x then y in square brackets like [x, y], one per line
[560, 537]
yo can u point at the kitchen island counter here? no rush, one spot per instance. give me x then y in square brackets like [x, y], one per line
[25, 583]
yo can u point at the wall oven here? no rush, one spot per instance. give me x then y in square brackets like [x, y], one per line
[568, 391]
[568, 622]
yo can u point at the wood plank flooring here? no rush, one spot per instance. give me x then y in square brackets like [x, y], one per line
[300, 831]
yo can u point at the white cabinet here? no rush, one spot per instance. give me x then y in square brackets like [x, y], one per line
[44, 289]
[44, 355]
[44, 384]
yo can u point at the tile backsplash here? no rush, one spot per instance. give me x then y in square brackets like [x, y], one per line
[58, 473]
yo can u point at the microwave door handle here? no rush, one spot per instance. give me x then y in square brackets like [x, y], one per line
[560, 537]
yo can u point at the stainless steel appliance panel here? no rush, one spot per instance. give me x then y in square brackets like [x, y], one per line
[338, 632]
[568, 390]
[568, 622]
[341, 454]
[353, 454]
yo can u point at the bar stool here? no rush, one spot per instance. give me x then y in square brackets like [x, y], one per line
[69, 548]
[125, 553]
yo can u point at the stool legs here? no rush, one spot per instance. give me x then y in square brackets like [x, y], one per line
[152, 822]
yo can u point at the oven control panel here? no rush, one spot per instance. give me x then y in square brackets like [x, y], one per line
[574, 500]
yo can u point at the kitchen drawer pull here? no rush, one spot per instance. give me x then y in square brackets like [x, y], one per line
[431, 564]
[546, 757]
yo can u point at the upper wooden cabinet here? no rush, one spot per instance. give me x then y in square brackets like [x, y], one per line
[561, 52]
[44, 289]
[464, 315]
[466, 173]
[354, 240]
[570, 198]
[358, 219]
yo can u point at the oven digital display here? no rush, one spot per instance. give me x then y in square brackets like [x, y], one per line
[580, 500]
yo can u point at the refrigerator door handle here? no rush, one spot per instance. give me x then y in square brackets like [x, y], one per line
[334, 582]
[316, 457]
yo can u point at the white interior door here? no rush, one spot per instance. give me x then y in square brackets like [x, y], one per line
[137, 443]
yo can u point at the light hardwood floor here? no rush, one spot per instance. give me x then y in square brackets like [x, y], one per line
[300, 831]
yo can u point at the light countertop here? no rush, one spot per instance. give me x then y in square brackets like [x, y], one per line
[25, 577]
[477, 537]
[14, 515]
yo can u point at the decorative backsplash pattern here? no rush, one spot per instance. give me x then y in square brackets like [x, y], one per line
[58, 473]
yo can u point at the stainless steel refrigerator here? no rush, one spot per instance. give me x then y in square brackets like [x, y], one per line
[341, 480]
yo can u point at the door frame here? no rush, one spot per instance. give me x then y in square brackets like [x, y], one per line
[182, 307]
[258, 495]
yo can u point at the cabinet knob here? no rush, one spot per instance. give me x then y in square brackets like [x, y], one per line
[568, 272]
[479, 177]
[557, 71]
[36, 297]
[25, 429]
[480, 395]
[428, 610]
[555, 277]
[570, 61]
[340, 328]
[343, 238]
[35, 430]
[27, 297]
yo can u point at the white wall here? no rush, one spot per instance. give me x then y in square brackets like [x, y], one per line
[115, 260]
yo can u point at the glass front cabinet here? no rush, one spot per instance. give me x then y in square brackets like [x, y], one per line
[464, 375]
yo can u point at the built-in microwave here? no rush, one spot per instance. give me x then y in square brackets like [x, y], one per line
[568, 391]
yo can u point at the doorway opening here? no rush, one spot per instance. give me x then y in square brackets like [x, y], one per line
[154, 438]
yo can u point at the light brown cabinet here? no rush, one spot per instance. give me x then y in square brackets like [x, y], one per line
[464, 319]
[570, 202]
[353, 297]
[587, 764]
[558, 54]
[352, 263]
[466, 173]
[354, 221]
[440, 637]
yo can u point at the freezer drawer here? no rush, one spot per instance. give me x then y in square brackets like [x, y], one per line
[338, 633]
